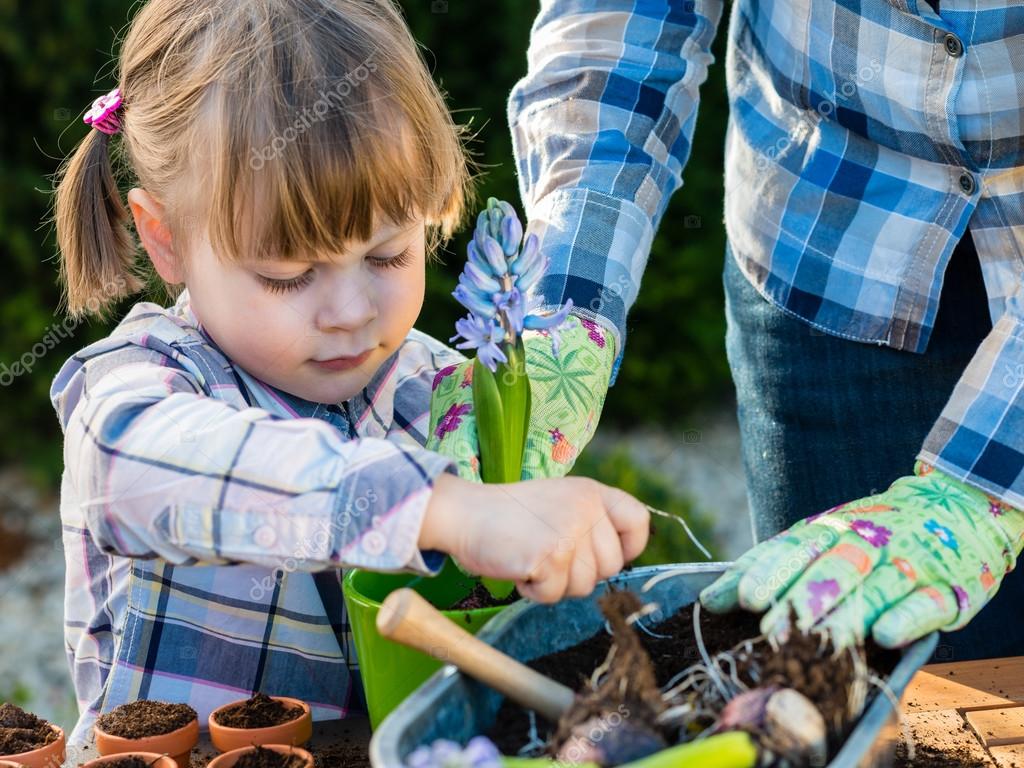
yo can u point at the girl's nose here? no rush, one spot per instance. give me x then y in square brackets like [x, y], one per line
[347, 305]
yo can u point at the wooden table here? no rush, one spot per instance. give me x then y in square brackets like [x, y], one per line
[973, 708]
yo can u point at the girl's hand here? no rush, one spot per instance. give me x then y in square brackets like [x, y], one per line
[553, 537]
[926, 554]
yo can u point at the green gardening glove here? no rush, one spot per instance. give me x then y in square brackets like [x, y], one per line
[567, 393]
[927, 554]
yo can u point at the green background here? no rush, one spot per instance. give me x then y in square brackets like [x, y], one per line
[56, 57]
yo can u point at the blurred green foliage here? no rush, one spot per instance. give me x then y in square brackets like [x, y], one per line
[669, 542]
[55, 58]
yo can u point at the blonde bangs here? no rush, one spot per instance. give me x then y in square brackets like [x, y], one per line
[304, 169]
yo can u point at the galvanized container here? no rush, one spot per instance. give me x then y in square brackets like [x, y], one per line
[453, 706]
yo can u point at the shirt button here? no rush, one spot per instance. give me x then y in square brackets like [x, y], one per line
[967, 183]
[264, 536]
[374, 543]
[953, 45]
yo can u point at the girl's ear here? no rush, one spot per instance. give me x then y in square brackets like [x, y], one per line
[155, 237]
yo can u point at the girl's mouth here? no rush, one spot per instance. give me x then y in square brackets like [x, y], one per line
[343, 363]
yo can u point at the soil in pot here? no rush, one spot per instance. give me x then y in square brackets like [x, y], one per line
[481, 598]
[260, 757]
[21, 731]
[140, 719]
[346, 753]
[671, 647]
[261, 711]
[130, 761]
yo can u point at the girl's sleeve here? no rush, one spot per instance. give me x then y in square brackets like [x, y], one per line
[161, 469]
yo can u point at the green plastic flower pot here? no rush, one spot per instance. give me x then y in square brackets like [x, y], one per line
[391, 671]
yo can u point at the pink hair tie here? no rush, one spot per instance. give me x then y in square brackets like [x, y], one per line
[103, 114]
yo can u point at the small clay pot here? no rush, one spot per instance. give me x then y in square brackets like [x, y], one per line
[295, 732]
[51, 755]
[153, 760]
[178, 744]
[228, 759]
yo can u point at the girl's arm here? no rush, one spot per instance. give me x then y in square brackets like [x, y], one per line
[162, 470]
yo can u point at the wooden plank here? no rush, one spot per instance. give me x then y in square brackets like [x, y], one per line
[1011, 756]
[966, 685]
[944, 734]
[996, 727]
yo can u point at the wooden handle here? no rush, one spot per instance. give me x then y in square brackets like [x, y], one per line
[407, 618]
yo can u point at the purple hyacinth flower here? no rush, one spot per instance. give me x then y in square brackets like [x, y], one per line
[480, 752]
[472, 301]
[511, 234]
[480, 279]
[528, 257]
[485, 336]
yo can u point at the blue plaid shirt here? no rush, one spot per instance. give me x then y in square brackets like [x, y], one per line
[863, 139]
[206, 517]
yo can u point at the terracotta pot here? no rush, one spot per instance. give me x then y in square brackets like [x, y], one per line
[50, 756]
[153, 760]
[177, 744]
[295, 732]
[228, 759]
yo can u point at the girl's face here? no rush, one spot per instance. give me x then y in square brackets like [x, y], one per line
[278, 320]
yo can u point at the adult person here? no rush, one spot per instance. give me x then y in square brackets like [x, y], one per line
[873, 210]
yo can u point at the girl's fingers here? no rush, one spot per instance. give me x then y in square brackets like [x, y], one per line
[823, 584]
[582, 574]
[548, 581]
[629, 518]
[852, 619]
[922, 611]
[607, 548]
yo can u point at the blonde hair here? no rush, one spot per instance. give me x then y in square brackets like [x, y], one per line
[282, 128]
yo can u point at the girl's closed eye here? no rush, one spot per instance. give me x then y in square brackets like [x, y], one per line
[394, 262]
[294, 283]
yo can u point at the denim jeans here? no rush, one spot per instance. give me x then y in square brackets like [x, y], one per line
[824, 420]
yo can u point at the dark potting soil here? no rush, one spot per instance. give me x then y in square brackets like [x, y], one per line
[21, 731]
[342, 754]
[481, 598]
[670, 654]
[927, 756]
[260, 757]
[133, 761]
[261, 711]
[139, 719]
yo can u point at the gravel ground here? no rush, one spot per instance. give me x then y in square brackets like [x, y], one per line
[33, 668]
[702, 461]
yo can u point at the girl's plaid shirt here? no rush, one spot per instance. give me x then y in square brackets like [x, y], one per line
[206, 517]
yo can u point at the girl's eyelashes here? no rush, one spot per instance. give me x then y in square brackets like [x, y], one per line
[394, 262]
[294, 283]
[291, 284]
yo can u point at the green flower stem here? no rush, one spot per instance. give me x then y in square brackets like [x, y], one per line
[502, 402]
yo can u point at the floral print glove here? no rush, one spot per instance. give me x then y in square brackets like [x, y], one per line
[567, 393]
[926, 554]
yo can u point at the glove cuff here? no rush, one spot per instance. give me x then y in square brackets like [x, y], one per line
[1008, 519]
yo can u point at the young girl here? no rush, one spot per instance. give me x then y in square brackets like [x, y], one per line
[226, 456]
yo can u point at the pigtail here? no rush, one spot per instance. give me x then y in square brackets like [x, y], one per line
[97, 251]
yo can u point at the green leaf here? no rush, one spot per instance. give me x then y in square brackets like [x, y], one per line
[489, 420]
